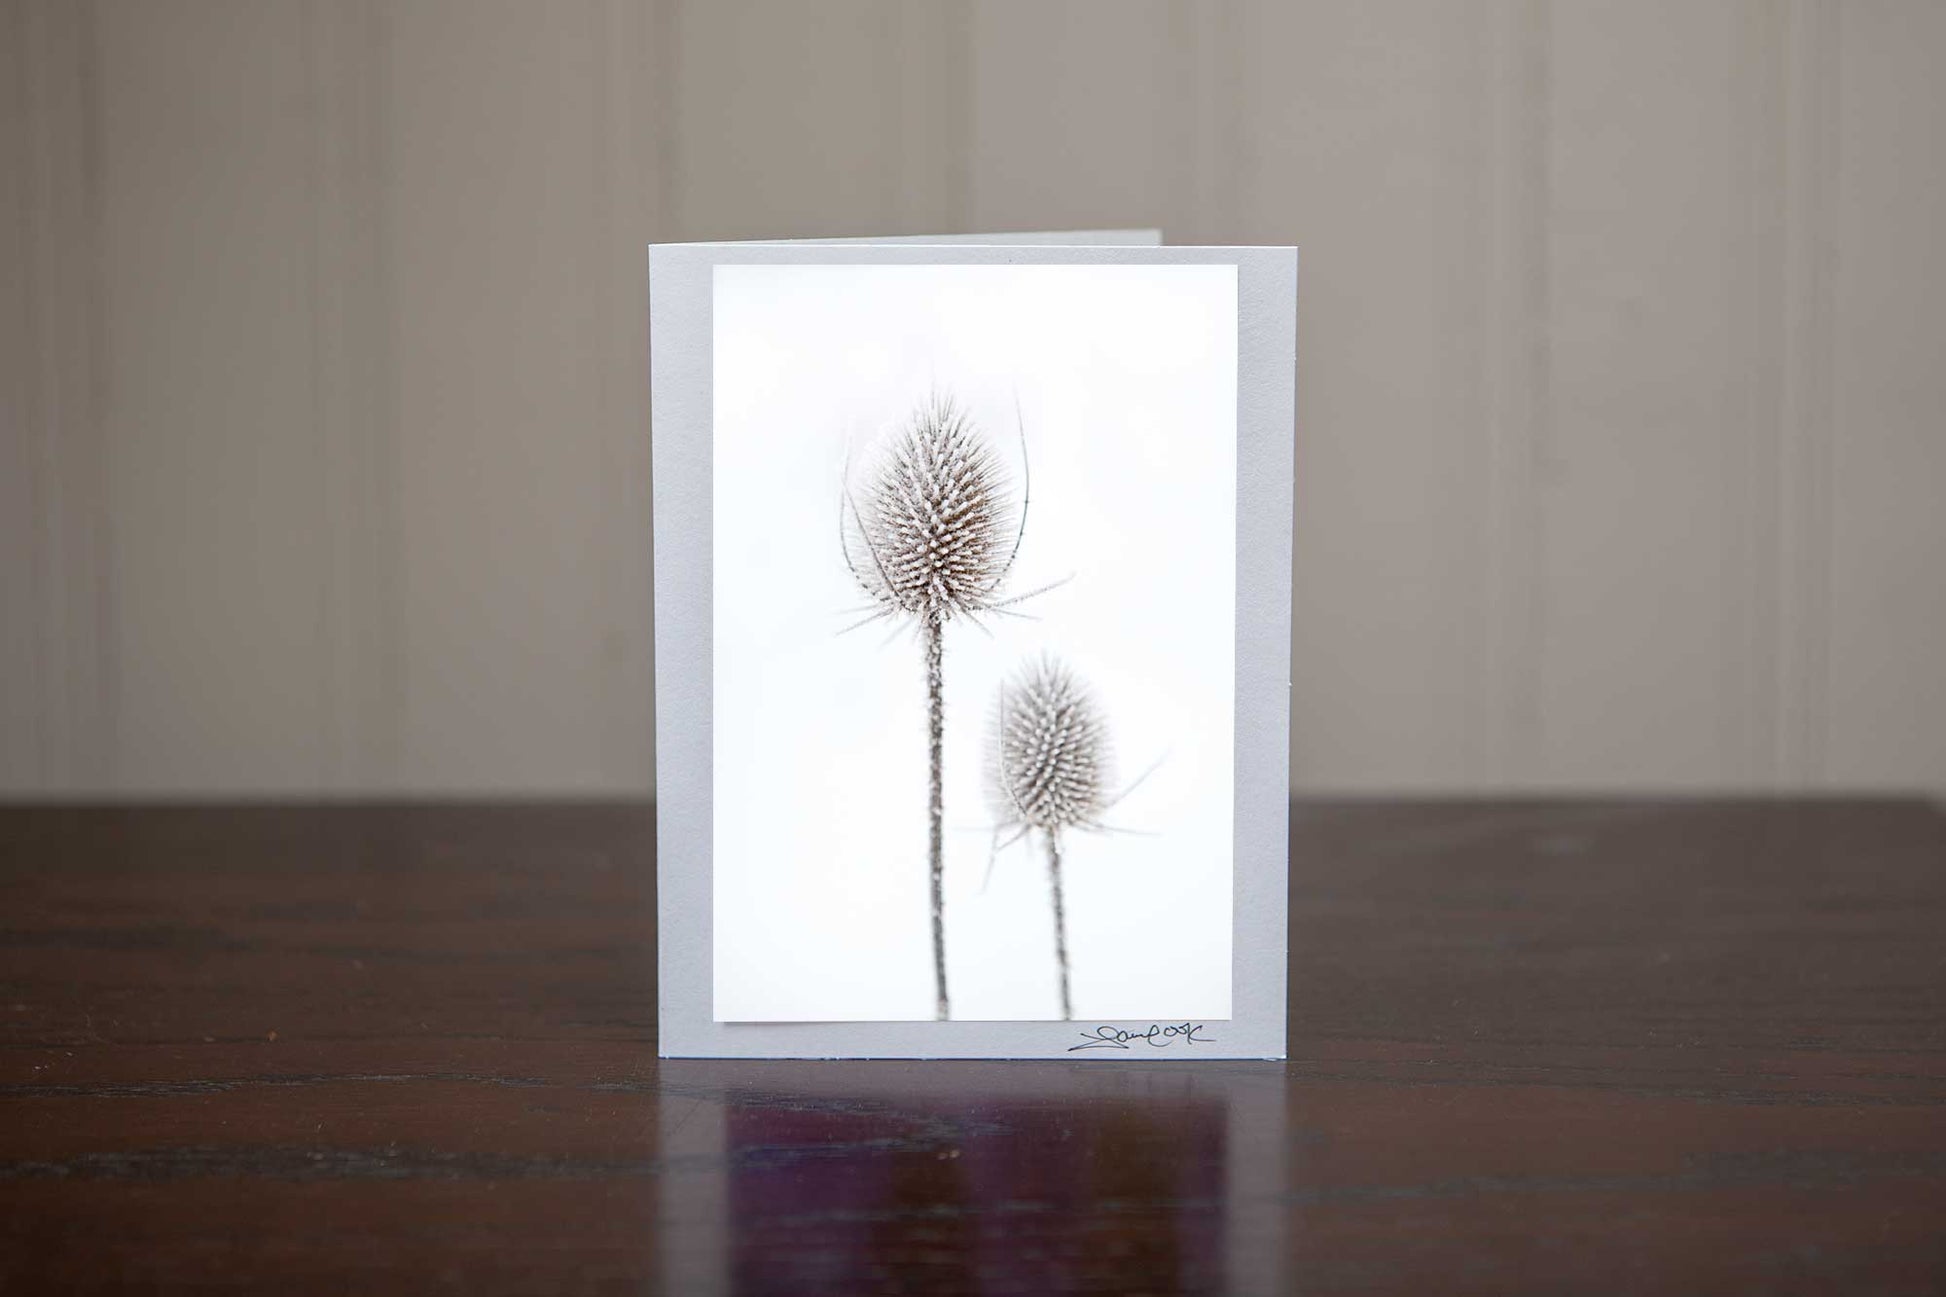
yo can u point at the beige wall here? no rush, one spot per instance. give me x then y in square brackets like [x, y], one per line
[1622, 405]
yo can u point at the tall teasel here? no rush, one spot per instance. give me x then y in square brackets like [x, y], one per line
[1048, 762]
[930, 531]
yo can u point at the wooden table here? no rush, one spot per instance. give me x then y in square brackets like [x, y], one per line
[1548, 1047]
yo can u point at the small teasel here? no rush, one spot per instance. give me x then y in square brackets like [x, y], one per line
[930, 531]
[1048, 765]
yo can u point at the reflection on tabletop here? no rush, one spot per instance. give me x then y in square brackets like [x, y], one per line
[788, 1176]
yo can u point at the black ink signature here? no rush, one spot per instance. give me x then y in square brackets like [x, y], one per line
[1157, 1036]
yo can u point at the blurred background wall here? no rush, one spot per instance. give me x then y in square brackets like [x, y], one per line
[1622, 330]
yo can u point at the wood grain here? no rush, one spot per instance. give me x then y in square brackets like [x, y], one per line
[1540, 1046]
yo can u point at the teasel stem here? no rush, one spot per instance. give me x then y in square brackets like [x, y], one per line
[1047, 763]
[1060, 922]
[935, 652]
[930, 532]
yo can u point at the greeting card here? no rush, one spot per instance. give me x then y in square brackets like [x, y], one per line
[972, 646]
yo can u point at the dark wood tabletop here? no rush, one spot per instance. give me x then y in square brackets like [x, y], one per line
[1534, 1047]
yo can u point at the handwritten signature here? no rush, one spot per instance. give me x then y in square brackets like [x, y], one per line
[1157, 1036]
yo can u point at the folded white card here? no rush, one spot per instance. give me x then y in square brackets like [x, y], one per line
[972, 626]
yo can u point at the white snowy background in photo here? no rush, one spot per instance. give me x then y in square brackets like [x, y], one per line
[1126, 381]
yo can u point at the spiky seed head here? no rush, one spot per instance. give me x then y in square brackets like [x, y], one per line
[1048, 751]
[931, 522]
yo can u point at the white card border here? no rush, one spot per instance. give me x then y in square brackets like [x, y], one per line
[681, 286]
